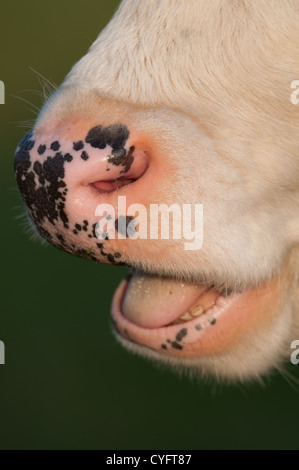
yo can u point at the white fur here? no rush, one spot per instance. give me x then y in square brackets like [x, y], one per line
[210, 81]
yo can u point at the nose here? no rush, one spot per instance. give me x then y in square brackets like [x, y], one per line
[66, 173]
[113, 163]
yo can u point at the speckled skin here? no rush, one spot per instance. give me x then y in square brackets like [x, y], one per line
[41, 171]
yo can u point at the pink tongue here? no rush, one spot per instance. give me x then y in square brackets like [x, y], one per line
[151, 302]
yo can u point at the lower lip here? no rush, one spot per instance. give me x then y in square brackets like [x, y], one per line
[206, 334]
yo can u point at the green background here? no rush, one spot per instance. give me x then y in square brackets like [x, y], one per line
[67, 384]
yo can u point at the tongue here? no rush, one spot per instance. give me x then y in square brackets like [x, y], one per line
[151, 302]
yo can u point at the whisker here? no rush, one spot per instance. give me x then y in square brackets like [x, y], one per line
[33, 91]
[27, 226]
[51, 84]
[35, 109]
[46, 89]
[28, 124]
[292, 381]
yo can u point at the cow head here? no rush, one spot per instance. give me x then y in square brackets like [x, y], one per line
[181, 103]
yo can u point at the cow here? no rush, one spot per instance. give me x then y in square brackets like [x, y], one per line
[183, 103]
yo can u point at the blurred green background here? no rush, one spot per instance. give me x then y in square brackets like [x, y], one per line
[67, 384]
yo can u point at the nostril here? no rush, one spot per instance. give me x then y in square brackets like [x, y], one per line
[116, 176]
[111, 185]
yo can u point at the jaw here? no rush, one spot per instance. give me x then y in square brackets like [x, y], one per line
[238, 336]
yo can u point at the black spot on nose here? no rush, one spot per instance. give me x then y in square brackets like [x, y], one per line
[41, 149]
[41, 185]
[26, 144]
[22, 161]
[115, 136]
[38, 168]
[78, 145]
[84, 155]
[124, 226]
[55, 146]
[68, 157]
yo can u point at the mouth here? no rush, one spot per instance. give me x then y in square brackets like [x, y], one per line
[185, 320]
[173, 317]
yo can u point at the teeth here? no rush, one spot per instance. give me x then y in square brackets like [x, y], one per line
[196, 311]
[186, 317]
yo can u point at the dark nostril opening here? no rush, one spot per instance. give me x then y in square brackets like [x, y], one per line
[111, 185]
[120, 175]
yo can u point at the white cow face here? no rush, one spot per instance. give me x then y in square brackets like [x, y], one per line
[186, 103]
